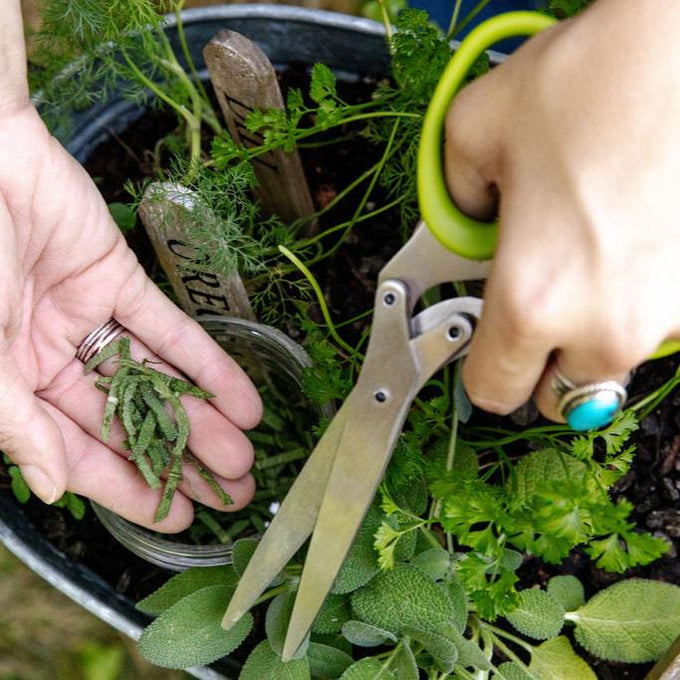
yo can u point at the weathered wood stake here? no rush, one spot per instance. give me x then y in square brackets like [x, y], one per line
[164, 211]
[244, 80]
[668, 667]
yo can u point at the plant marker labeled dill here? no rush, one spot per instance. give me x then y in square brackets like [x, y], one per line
[244, 80]
[165, 211]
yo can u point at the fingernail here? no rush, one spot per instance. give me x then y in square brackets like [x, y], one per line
[40, 482]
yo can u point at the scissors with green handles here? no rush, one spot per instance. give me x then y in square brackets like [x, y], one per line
[336, 487]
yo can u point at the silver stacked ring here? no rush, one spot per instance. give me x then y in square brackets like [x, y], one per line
[96, 340]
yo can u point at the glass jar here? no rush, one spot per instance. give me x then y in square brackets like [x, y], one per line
[275, 363]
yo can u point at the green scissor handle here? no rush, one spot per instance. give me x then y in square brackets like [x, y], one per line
[456, 231]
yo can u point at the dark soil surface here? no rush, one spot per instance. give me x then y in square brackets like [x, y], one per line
[652, 485]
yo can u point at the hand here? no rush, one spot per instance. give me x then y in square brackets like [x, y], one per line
[578, 132]
[64, 270]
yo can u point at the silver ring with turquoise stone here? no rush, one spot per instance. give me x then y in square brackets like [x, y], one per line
[589, 406]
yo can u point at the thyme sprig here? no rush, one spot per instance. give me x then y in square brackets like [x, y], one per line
[147, 402]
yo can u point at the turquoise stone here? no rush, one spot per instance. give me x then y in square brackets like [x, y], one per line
[594, 413]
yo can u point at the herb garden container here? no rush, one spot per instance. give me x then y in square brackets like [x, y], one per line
[276, 365]
[353, 47]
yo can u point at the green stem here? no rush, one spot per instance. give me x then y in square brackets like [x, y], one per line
[271, 594]
[320, 298]
[362, 204]
[454, 19]
[315, 129]
[344, 225]
[468, 18]
[151, 85]
[193, 126]
[651, 401]
[499, 632]
[339, 197]
[385, 17]
[190, 62]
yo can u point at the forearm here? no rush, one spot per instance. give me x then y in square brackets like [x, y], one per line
[13, 86]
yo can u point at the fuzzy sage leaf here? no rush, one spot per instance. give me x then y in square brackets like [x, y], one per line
[264, 662]
[539, 615]
[184, 584]
[189, 633]
[633, 621]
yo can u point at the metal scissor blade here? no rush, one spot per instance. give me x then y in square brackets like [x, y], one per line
[291, 526]
[366, 446]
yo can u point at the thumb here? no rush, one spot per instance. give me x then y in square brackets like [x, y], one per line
[471, 151]
[29, 436]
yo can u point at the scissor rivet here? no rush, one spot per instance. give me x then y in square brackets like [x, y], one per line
[454, 332]
[380, 396]
[389, 299]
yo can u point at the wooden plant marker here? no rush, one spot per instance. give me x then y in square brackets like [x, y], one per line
[668, 667]
[164, 211]
[244, 79]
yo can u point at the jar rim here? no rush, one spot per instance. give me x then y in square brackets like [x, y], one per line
[176, 555]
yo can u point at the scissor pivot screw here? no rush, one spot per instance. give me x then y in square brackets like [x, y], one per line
[454, 332]
[389, 299]
[381, 396]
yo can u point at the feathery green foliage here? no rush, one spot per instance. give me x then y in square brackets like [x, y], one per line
[147, 404]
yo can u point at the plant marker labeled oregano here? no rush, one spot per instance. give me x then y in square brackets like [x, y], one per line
[244, 80]
[166, 212]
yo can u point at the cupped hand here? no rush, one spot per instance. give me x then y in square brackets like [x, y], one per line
[64, 270]
[577, 135]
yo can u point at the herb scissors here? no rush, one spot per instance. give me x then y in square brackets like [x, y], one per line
[336, 487]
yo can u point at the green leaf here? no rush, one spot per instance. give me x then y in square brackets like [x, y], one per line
[411, 496]
[326, 661]
[20, 489]
[444, 652]
[123, 215]
[568, 591]
[361, 564]
[512, 560]
[405, 664]
[456, 592]
[368, 669]
[75, 505]
[189, 633]
[434, 562]
[276, 624]
[532, 471]
[184, 584]
[539, 615]
[469, 653]
[619, 552]
[365, 635]
[264, 662]
[633, 621]
[556, 660]
[335, 610]
[242, 552]
[322, 86]
[512, 671]
[403, 597]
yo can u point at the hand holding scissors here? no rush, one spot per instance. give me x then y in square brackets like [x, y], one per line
[338, 483]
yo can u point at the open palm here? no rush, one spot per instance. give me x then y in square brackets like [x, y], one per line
[64, 270]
